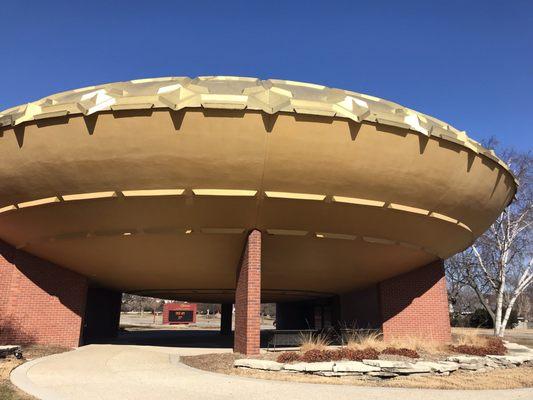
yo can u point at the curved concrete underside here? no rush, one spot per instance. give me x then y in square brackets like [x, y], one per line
[135, 372]
[159, 201]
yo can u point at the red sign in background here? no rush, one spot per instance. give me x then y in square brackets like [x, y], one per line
[179, 313]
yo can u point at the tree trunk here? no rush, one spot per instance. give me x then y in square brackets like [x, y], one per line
[507, 315]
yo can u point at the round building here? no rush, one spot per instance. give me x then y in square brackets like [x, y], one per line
[338, 206]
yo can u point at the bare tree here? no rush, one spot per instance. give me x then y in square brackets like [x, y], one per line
[499, 266]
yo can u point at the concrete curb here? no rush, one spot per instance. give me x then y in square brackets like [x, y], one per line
[19, 378]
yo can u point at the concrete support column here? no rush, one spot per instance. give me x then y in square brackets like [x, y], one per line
[226, 311]
[248, 298]
[416, 304]
[40, 302]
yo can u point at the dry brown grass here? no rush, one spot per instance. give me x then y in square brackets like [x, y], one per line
[309, 341]
[374, 340]
[360, 341]
[471, 337]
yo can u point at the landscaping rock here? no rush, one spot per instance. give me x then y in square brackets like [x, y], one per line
[258, 364]
[471, 366]
[298, 367]
[517, 360]
[354, 366]
[517, 348]
[337, 374]
[413, 369]
[440, 367]
[466, 359]
[319, 366]
[388, 364]
[382, 374]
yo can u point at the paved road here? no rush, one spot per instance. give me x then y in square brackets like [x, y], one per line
[151, 373]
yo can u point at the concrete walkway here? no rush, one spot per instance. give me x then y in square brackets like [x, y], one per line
[143, 372]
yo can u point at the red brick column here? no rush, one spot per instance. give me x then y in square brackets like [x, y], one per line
[248, 298]
[39, 301]
[416, 304]
[226, 316]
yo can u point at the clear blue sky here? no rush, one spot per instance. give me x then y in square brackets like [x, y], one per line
[469, 63]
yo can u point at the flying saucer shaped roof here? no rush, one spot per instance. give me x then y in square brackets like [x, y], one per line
[227, 92]
[150, 186]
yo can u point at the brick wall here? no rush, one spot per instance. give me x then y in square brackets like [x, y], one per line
[416, 304]
[361, 308]
[248, 298]
[39, 301]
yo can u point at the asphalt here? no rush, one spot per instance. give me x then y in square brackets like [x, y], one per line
[101, 372]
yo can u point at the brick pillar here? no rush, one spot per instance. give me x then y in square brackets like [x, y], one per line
[248, 298]
[40, 302]
[416, 304]
[102, 315]
[226, 311]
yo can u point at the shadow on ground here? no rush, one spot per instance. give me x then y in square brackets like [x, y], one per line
[177, 338]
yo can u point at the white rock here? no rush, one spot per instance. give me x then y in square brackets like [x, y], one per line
[388, 364]
[258, 364]
[466, 359]
[354, 366]
[517, 347]
[512, 359]
[319, 366]
[414, 369]
[441, 367]
[298, 367]
[472, 366]
[337, 374]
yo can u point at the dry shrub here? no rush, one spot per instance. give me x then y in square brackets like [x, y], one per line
[315, 355]
[418, 344]
[401, 352]
[333, 355]
[492, 346]
[347, 353]
[361, 341]
[470, 338]
[288, 357]
[309, 341]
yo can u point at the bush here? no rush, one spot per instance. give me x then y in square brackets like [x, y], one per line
[288, 356]
[401, 352]
[480, 318]
[494, 346]
[333, 355]
[368, 353]
[315, 355]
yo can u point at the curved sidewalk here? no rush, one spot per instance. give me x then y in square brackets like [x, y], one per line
[135, 372]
